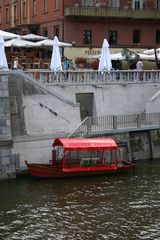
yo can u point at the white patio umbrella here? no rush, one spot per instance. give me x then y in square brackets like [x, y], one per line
[117, 56]
[56, 64]
[148, 56]
[8, 35]
[49, 43]
[33, 37]
[18, 42]
[151, 51]
[45, 43]
[3, 60]
[114, 56]
[105, 63]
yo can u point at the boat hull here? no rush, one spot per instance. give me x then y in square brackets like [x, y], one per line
[49, 171]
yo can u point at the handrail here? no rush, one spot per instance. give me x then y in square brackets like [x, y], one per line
[92, 125]
[72, 133]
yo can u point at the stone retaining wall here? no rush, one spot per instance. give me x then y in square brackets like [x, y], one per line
[25, 109]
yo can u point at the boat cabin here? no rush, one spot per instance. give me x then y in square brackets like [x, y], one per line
[78, 154]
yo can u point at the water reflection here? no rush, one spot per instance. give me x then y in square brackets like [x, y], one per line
[108, 207]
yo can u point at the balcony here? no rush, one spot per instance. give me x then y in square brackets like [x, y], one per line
[104, 12]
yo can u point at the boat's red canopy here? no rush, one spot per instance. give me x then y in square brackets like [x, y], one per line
[85, 143]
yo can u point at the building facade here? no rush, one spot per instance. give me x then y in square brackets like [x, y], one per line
[133, 24]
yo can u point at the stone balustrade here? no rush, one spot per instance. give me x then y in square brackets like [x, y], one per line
[95, 77]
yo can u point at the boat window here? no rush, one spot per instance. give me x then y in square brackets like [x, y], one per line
[76, 159]
[123, 154]
[71, 156]
[59, 152]
[109, 156]
[71, 159]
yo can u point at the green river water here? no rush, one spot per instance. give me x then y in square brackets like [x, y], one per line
[121, 207]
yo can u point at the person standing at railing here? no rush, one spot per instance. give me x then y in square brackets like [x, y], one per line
[139, 67]
[16, 64]
[65, 63]
[65, 66]
[72, 66]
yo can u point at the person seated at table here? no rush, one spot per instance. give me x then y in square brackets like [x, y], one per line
[16, 64]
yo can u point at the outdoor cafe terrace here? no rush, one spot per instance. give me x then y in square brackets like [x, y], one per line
[94, 77]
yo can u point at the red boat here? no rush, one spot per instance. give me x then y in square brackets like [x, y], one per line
[81, 157]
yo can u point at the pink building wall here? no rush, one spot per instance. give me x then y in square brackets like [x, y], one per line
[71, 28]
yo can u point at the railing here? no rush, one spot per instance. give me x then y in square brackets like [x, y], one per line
[95, 77]
[91, 125]
[102, 11]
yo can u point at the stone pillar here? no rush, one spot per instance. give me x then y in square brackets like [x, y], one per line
[7, 157]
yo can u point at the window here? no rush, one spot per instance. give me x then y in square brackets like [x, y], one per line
[34, 7]
[56, 4]
[87, 37]
[87, 3]
[45, 6]
[7, 14]
[56, 31]
[15, 12]
[136, 36]
[24, 10]
[158, 5]
[0, 16]
[113, 3]
[112, 37]
[157, 36]
[137, 4]
[45, 32]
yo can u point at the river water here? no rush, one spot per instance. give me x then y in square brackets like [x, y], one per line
[122, 206]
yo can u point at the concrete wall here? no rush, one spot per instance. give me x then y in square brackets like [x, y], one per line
[154, 103]
[145, 144]
[38, 150]
[114, 99]
[36, 111]
[47, 115]
[155, 143]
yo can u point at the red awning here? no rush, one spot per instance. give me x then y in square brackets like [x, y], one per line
[85, 143]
